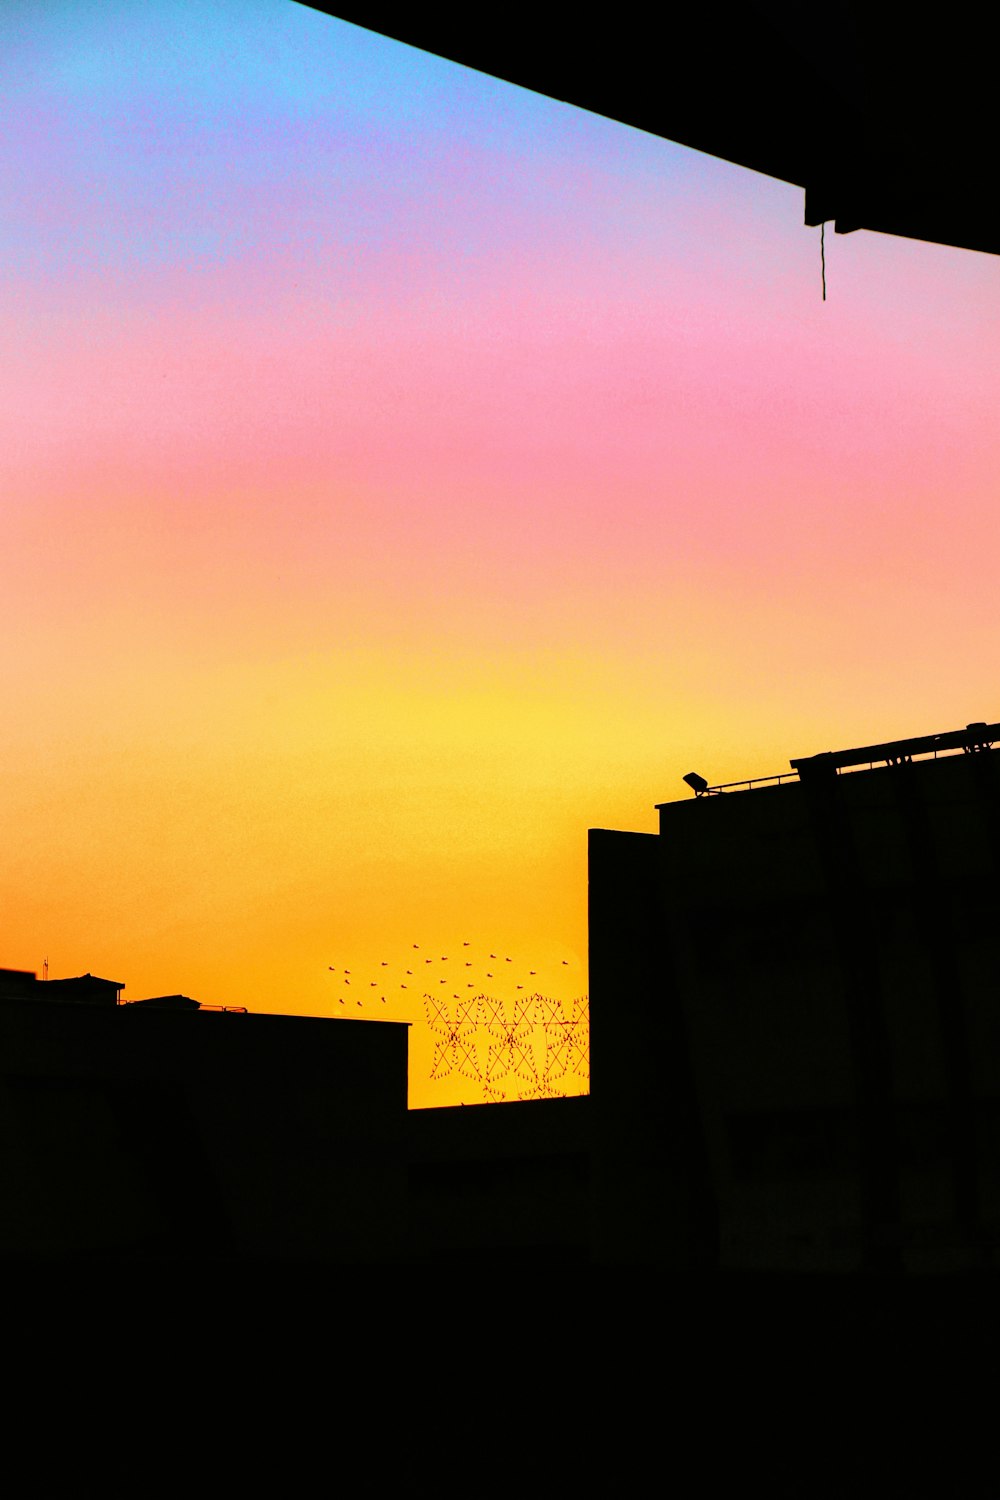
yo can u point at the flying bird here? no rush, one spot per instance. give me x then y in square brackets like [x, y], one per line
[489, 976]
[341, 999]
[565, 960]
[374, 986]
[468, 963]
[465, 945]
[385, 963]
[416, 945]
[510, 960]
[409, 971]
[492, 955]
[331, 968]
[531, 971]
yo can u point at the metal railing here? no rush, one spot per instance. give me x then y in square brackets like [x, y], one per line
[750, 781]
[849, 770]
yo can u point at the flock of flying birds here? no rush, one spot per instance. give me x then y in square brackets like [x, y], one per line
[419, 975]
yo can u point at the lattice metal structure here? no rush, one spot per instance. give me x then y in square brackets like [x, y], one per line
[455, 1030]
[526, 1048]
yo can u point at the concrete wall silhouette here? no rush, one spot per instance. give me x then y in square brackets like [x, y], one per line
[501, 1183]
[168, 1133]
[822, 959]
[127, 1132]
[795, 1044]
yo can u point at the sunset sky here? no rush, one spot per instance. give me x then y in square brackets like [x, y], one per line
[402, 473]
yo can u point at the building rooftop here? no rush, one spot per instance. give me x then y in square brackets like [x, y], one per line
[970, 740]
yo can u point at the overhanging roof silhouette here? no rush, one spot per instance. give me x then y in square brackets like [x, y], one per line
[885, 114]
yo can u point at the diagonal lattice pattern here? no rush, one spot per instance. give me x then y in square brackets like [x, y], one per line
[526, 1048]
[454, 1027]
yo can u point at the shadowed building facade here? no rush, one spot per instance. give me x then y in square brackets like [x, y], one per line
[795, 1028]
[795, 1044]
[163, 1130]
[168, 1131]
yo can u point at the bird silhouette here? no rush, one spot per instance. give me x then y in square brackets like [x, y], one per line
[489, 976]
[510, 960]
[465, 945]
[359, 1002]
[416, 945]
[409, 971]
[566, 961]
[331, 968]
[468, 963]
[385, 963]
[341, 999]
[374, 986]
[531, 971]
[492, 955]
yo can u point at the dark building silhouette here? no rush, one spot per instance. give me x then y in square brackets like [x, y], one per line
[167, 1130]
[794, 1027]
[170, 1131]
[795, 1052]
[86, 989]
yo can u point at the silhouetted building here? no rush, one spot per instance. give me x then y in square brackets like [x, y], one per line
[166, 1130]
[85, 989]
[795, 1046]
[153, 1130]
[500, 1183]
[794, 1021]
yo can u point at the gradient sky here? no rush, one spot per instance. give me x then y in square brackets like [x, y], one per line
[402, 473]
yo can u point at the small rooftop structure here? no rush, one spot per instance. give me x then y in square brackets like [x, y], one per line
[169, 1002]
[84, 989]
[183, 1002]
[971, 740]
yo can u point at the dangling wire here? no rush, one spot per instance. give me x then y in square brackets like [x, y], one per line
[822, 254]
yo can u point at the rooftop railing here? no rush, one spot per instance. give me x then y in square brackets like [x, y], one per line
[973, 739]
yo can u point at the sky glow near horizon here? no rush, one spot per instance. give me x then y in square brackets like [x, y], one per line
[402, 473]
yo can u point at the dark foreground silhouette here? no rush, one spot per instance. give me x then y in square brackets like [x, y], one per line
[795, 1051]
